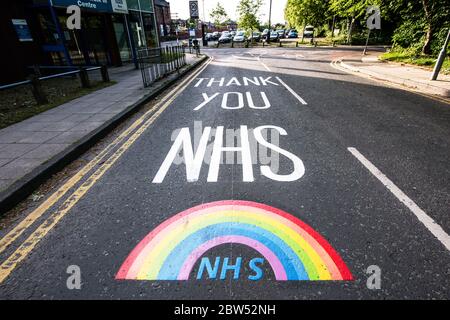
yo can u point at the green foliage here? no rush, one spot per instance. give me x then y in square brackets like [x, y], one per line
[423, 25]
[219, 15]
[410, 34]
[420, 26]
[352, 8]
[303, 12]
[439, 39]
[248, 14]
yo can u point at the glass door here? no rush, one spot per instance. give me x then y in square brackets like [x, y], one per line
[121, 32]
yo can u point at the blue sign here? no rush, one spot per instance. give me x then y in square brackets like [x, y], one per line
[95, 5]
[22, 30]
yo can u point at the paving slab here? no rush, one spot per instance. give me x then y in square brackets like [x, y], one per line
[409, 76]
[16, 150]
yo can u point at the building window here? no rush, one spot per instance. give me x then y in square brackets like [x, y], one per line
[143, 5]
[48, 28]
[144, 36]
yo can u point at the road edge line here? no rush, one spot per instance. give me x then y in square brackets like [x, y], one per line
[292, 92]
[421, 215]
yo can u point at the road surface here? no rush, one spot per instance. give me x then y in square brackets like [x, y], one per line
[296, 180]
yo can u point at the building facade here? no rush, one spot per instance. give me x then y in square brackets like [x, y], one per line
[36, 32]
[163, 18]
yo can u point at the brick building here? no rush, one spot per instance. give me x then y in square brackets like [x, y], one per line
[163, 18]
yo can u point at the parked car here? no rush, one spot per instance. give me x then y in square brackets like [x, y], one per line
[233, 33]
[209, 37]
[216, 35]
[292, 34]
[280, 33]
[274, 36]
[309, 32]
[264, 34]
[256, 36]
[226, 37]
[239, 37]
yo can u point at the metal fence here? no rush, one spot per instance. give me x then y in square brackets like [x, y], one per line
[155, 63]
[36, 81]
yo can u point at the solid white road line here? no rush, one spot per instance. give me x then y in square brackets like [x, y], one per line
[429, 223]
[263, 64]
[292, 91]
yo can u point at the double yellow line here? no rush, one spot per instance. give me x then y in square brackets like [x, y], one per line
[36, 236]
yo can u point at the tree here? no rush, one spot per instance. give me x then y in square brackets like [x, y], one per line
[248, 14]
[219, 15]
[420, 23]
[302, 12]
[436, 14]
[353, 10]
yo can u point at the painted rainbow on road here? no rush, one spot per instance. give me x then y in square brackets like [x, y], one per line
[292, 248]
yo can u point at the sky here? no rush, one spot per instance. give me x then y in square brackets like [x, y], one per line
[182, 8]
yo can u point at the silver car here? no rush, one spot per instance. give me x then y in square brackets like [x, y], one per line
[240, 37]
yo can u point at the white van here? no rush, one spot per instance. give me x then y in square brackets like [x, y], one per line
[308, 32]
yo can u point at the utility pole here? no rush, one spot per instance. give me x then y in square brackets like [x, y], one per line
[440, 60]
[270, 22]
[203, 6]
[205, 43]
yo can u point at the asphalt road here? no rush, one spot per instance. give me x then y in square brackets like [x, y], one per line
[331, 175]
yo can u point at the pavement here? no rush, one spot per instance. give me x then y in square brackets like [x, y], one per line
[408, 76]
[30, 147]
[296, 181]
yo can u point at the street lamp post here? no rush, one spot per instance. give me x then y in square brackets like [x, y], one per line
[441, 58]
[270, 23]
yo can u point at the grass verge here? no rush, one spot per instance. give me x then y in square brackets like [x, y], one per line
[419, 60]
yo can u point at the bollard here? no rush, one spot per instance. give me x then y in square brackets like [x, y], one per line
[177, 59]
[232, 43]
[37, 70]
[104, 72]
[280, 44]
[296, 44]
[84, 78]
[172, 61]
[38, 92]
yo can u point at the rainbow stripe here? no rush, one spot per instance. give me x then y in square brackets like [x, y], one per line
[292, 248]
